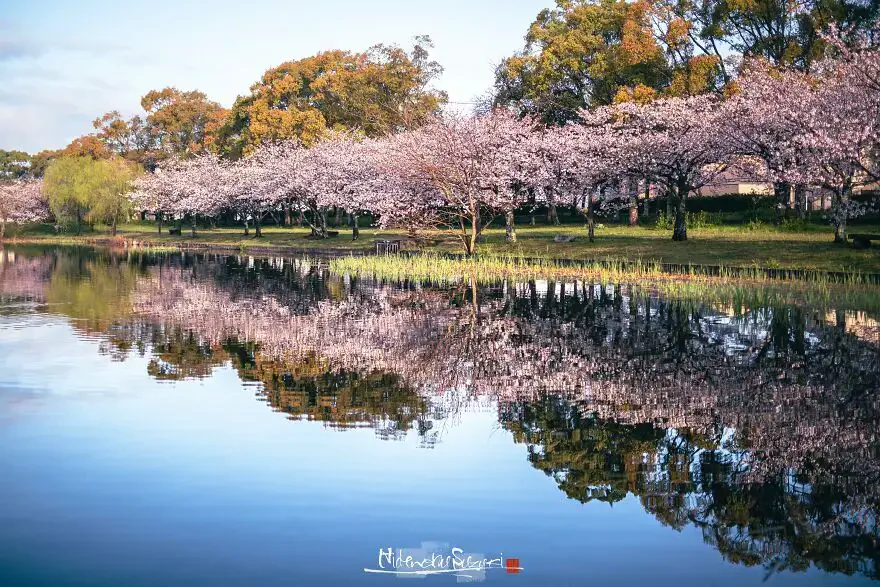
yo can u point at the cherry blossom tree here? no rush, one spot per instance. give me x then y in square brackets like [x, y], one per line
[763, 119]
[673, 140]
[21, 201]
[471, 163]
[194, 187]
[153, 193]
[818, 130]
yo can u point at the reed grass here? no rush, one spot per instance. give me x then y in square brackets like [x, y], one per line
[747, 287]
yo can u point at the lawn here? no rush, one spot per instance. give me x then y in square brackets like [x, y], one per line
[730, 246]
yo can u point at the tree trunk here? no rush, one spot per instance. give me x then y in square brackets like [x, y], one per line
[679, 231]
[552, 215]
[800, 200]
[159, 220]
[837, 200]
[355, 229]
[247, 229]
[113, 228]
[299, 220]
[647, 209]
[258, 227]
[194, 225]
[633, 201]
[591, 216]
[782, 194]
[287, 219]
[532, 221]
[2, 228]
[509, 227]
[840, 230]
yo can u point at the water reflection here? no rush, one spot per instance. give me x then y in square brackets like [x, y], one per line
[756, 425]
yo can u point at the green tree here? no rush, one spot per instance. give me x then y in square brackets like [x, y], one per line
[82, 189]
[579, 55]
[782, 32]
[13, 164]
[67, 184]
[40, 162]
[109, 202]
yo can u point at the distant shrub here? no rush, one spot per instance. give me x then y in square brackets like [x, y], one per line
[756, 224]
[745, 203]
[663, 221]
[793, 225]
[694, 220]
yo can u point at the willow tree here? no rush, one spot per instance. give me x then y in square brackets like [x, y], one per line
[82, 189]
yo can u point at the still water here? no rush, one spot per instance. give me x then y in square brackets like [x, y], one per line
[224, 420]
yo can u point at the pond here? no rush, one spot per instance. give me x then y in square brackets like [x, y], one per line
[196, 419]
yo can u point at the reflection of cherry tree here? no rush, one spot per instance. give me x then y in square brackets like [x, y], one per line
[757, 426]
[24, 277]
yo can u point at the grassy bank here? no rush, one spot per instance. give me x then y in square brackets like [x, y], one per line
[729, 246]
[737, 288]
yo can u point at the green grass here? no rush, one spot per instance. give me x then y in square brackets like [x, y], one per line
[730, 246]
[739, 289]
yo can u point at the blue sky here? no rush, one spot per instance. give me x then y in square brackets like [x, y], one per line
[63, 63]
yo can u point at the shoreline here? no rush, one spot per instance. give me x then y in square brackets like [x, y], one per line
[745, 272]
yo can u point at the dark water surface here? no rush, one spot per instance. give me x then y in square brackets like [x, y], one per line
[216, 420]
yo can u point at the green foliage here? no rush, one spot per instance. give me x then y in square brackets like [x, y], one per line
[82, 189]
[13, 164]
[664, 221]
[755, 225]
[701, 219]
[793, 225]
[579, 54]
[698, 219]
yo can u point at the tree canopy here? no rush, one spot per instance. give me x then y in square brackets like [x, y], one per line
[377, 92]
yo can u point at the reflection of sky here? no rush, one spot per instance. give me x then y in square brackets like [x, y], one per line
[112, 478]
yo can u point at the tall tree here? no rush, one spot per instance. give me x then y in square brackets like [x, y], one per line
[782, 32]
[579, 55]
[82, 189]
[86, 146]
[133, 139]
[180, 120]
[380, 91]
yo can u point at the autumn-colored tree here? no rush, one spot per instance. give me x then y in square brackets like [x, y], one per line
[86, 146]
[380, 91]
[179, 119]
[133, 139]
